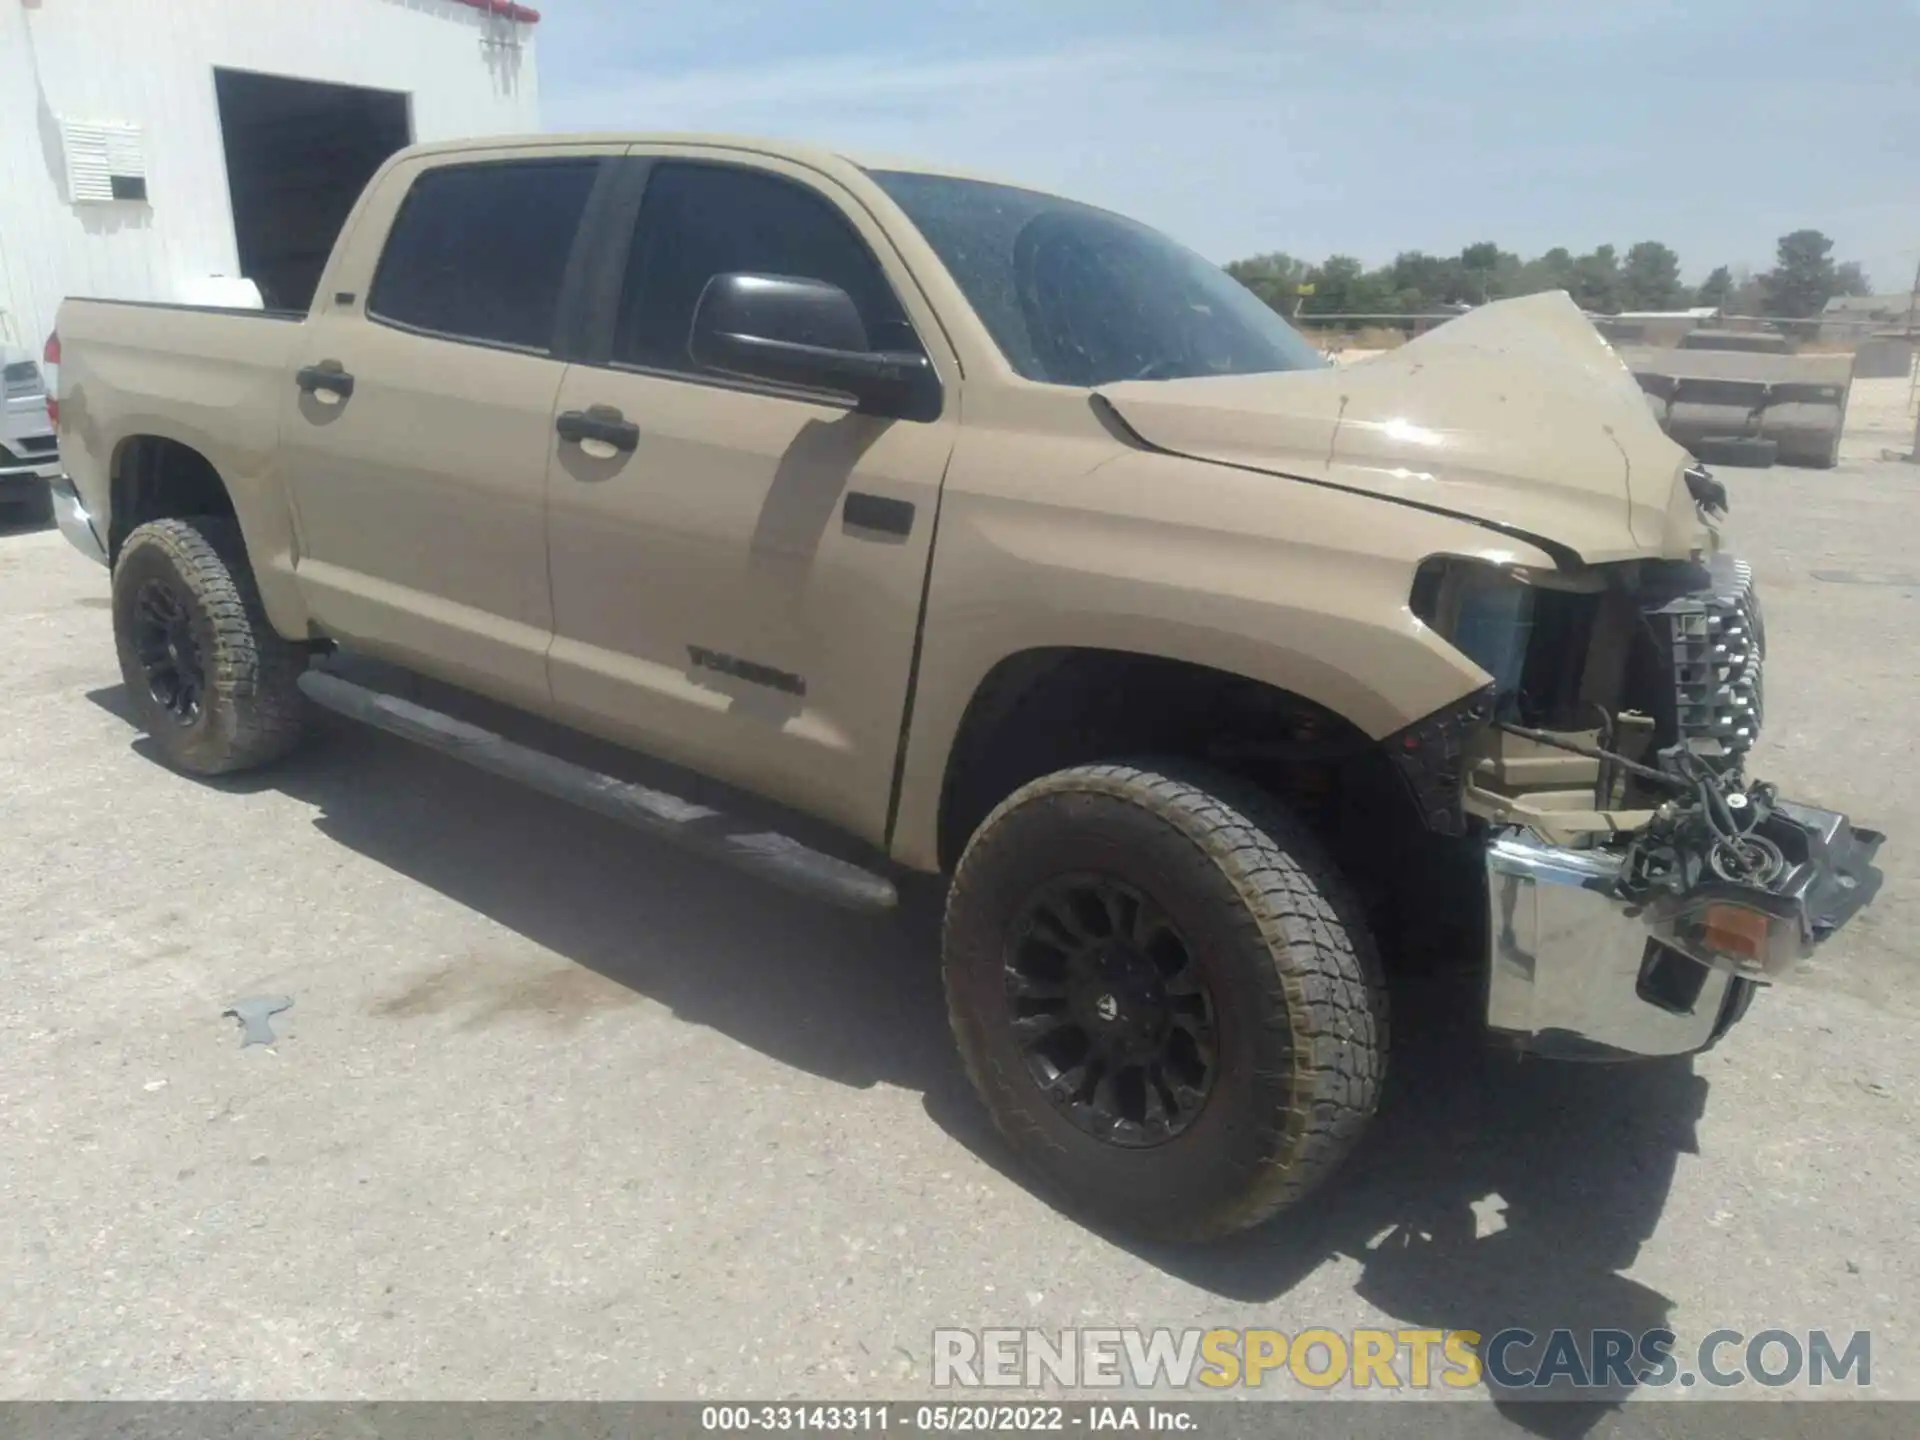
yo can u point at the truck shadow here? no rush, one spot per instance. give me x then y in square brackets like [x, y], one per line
[1491, 1193]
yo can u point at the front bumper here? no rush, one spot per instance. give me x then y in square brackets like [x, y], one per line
[1576, 971]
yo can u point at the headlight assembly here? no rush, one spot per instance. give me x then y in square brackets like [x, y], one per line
[1484, 611]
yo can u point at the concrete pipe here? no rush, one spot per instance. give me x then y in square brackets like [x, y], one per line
[1806, 432]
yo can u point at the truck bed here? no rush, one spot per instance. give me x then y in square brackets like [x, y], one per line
[249, 310]
[208, 377]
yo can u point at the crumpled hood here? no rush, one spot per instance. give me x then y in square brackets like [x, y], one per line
[1517, 415]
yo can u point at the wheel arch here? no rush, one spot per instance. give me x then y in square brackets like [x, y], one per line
[157, 477]
[154, 475]
[1046, 708]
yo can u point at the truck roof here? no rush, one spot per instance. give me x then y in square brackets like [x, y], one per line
[815, 156]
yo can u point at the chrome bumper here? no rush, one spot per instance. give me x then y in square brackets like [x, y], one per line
[1576, 972]
[70, 514]
[1570, 967]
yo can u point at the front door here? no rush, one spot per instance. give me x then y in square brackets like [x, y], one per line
[740, 590]
[419, 425]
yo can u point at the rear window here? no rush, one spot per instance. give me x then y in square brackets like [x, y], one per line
[477, 252]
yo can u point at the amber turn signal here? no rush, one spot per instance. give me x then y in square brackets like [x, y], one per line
[1736, 930]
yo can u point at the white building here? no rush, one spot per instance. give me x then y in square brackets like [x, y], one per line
[161, 149]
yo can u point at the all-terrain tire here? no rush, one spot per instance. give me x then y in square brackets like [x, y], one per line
[1296, 991]
[251, 711]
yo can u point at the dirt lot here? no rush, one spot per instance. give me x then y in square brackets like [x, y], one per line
[1879, 419]
[560, 1112]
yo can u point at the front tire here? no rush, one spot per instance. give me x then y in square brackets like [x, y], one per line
[1164, 996]
[210, 680]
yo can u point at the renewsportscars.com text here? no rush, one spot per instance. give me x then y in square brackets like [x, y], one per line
[1366, 1359]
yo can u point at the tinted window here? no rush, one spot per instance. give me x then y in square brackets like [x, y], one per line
[478, 251]
[698, 221]
[1078, 296]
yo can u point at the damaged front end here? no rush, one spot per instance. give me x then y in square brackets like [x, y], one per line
[1639, 885]
[1592, 957]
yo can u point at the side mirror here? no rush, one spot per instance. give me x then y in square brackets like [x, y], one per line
[806, 333]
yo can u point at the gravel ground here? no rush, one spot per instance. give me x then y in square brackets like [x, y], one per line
[1880, 420]
[559, 1112]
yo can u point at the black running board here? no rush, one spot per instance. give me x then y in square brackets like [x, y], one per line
[765, 853]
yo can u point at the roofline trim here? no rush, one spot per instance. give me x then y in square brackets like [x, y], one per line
[505, 9]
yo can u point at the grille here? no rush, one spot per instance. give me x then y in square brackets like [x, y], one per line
[36, 444]
[1713, 642]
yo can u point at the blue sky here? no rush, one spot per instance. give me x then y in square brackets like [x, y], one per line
[1321, 126]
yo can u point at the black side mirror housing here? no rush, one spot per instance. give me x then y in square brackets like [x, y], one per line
[808, 334]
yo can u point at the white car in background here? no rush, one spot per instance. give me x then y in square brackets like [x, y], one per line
[29, 455]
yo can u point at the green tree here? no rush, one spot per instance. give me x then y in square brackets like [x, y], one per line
[1716, 289]
[1343, 286]
[1551, 271]
[1803, 277]
[1650, 278]
[1647, 278]
[1420, 280]
[1486, 272]
[1596, 281]
[1275, 277]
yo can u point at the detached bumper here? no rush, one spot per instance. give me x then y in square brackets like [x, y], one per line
[1578, 972]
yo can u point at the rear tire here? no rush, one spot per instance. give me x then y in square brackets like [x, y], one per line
[210, 680]
[1294, 1011]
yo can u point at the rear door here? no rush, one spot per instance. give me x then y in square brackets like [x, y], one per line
[739, 588]
[419, 421]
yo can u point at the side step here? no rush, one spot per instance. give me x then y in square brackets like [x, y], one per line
[765, 853]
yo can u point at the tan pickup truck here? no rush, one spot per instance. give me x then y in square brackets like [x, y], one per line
[1020, 545]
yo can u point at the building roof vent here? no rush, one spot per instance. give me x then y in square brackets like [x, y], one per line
[106, 160]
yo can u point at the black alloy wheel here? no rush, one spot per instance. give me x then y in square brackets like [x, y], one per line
[169, 653]
[1110, 1011]
[208, 677]
[1164, 994]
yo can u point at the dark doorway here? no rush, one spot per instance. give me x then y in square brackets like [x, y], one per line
[298, 154]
